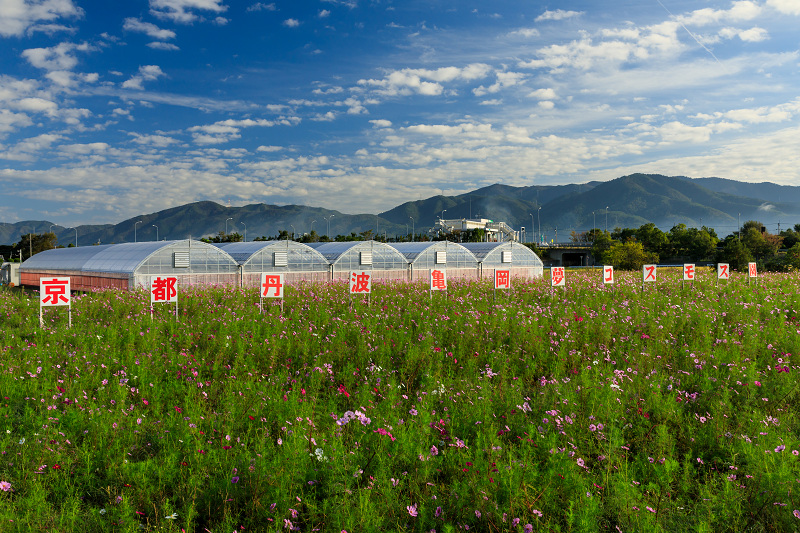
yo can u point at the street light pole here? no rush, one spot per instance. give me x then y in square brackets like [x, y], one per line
[226, 224]
[412, 228]
[156, 231]
[539, 216]
[606, 219]
[293, 231]
[312, 227]
[245, 230]
[328, 231]
[134, 229]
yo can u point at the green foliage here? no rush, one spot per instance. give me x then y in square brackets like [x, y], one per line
[223, 237]
[629, 256]
[737, 254]
[33, 243]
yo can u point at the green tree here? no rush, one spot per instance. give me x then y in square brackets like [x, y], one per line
[223, 237]
[33, 243]
[629, 255]
[601, 244]
[653, 239]
[736, 253]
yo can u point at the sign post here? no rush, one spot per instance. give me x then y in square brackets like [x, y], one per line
[54, 292]
[361, 283]
[271, 287]
[608, 275]
[752, 272]
[438, 281]
[689, 273]
[502, 280]
[723, 271]
[558, 277]
[648, 274]
[163, 289]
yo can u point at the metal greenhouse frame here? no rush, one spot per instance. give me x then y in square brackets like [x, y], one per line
[425, 256]
[295, 260]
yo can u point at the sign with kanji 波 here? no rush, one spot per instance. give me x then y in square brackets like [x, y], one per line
[438, 279]
[557, 277]
[688, 272]
[648, 273]
[608, 275]
[360, 282]
[502, 279]
[723, 271]
[271, 285]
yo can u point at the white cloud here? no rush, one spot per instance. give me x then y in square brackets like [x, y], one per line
[146, 73]
[59, 57]
[151, 30]
[19, 16]
[158, 141]
[324, 13]
[10, 121]
[754, 35]
[269, 148]
[788, 7]
[381, 123]
[558, 14]
[291, 23]
[546, 104]
[260, 6]
[162, 46]
[742, 10]
[37, 105]
[543, 94]
[526, 33]
[504, 80]
[424, 81]
[182, 11]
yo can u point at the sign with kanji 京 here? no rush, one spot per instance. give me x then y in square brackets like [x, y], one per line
[608, 275]
[723, 271]
[648, 273]
[502, 279]
[557, 277]
[688, 272]
[438, 280]
[271, 285]
[163, 289]
[54, 292]
[360, 282]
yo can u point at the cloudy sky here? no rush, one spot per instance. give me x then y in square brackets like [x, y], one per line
[112, 109]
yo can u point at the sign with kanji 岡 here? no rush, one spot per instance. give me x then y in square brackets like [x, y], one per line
[557, 277]
[608, 274]
[438, 280]
[723, 271]
[688, 272]
[54, 291]
[752, 270]
[271, 285]
[163, 289]
[648, 273]
[360, 282]
[502, 279]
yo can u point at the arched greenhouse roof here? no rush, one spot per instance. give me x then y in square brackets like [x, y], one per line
[429, 254]
[270, 256]
[353, 255]
[503, 253]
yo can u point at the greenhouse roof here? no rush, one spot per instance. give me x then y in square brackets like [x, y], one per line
[411, 250]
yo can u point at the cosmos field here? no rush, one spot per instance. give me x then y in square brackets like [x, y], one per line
[672, 408]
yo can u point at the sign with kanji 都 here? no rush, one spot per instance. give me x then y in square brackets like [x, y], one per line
[438, 279]
[608, 275]
[502, 279]
[723, 271]
[271, 285]
[648, 273]
[163, 289]
[688, 272]
[360, 282]
[54, 292]
[557, 277]
[752, 270]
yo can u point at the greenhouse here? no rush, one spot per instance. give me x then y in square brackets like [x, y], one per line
[384, 261]
[295, 260]
[518, 258]
[426, 256]
[130, 265]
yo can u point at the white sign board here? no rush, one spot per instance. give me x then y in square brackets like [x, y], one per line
[502, 279]
[360, 282]
[648, 273]
[557, 277]
[723, 271]
[688, 272]
[163, 289]
[54, 291]
[608, 275]
[438, 280]
[271, 285]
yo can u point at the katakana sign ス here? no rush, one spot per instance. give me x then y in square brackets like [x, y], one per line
[688, 272]
[558, 278]
[752, 270]
[163, 289]
[54, 291]
[360, 282]
[723, 271]
[502, 279]
[271, 285]
[648, 273]
[608, 274]
[438, 280]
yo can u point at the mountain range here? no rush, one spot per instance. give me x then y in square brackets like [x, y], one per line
[628, 201]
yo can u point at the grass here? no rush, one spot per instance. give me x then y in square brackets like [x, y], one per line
[668, 408]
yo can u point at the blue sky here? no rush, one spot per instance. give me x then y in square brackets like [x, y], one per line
[113, 109]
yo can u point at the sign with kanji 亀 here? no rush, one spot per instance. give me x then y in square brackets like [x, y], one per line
[54, 292]
[557, 277]
[438, 280]
[608, 275]
[163, 289]
[271, 287]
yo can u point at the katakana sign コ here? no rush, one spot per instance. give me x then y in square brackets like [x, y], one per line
[608, 274]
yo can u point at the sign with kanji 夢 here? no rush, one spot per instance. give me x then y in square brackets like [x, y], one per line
[502, 279]
[648, 273]
[438, 280]
[723, 271]
[360, 282]
[163, 289]
[54, 291]
[752, 270]
[688, 272]
[271, 285]
[557, 277]
[608, 274]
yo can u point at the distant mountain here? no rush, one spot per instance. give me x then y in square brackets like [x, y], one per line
[628, 201]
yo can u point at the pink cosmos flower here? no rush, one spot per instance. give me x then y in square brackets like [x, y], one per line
[5, 486]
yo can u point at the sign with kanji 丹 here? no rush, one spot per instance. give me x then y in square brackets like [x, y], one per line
[502, 279]
[360, 282]
[648, 273]
[54, 292]
[723, 271]
[608, 275]
[438, 280]
[557, 277]
[271, 285]
[688, 272]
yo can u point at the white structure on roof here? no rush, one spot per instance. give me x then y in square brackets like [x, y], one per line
[495, 231]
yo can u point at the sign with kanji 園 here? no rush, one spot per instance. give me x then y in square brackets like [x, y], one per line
[688, 272]
[271, 285]
[648, 273]
[557, 277]
[438, 280]
[163, 289]
[608, 274]
[502, 279]
[752, 270]
[360, 282]
[723, 271]
[54, 291]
